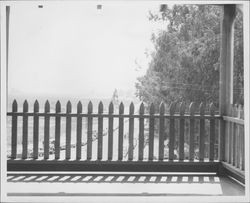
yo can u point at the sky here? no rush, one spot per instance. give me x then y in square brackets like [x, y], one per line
[77, 49]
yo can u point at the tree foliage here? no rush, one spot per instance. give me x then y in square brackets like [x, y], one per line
[184, 65]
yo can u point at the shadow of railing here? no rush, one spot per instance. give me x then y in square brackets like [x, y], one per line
[121, 178]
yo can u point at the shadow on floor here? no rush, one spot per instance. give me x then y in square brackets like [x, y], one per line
[227, 185]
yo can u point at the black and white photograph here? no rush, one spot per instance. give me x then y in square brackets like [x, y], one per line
[124, 101]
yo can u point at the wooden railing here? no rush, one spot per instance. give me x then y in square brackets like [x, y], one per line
[189, 134]
[144, 138]
[234, 141]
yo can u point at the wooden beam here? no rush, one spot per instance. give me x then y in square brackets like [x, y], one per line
[226, 70]
[226, 58]
[117, 166]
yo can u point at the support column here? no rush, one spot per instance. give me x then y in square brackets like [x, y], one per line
[7, 48]
[4, 20]
[226, 70]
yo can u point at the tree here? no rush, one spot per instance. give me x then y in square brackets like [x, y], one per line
[184, 65]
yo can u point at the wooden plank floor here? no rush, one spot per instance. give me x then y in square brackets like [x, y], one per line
[122, 184]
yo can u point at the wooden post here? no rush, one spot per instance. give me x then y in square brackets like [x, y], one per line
[110, 132]
[151, 133]
[25, 130]
[120, 135]
[161, 132]
[226, 70]
[212, 133]
[141, 132]
[68, 130]
[182, 130]
[57, 130]
[171, 132]
[46, 130]
[191, 131]
[89, 132]
[131, 132]
[7, 42]
[35, 130]
[100, 131]
[202, 133]
[79, 132]
[14, 131]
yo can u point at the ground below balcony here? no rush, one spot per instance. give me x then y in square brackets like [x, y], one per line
[20, 184]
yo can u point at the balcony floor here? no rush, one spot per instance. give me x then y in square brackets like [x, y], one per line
[121, 184]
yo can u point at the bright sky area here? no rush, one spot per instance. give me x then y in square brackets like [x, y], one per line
[77, 49]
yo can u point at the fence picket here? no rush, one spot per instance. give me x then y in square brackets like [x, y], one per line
[235, 139]
[57, 130]
[79, 132]
[230, 134]
[46, 130]
[235, 136]
[110, 131]
[89, 131]
[242, 148]
[181, 140]
[202, 133]
[212, 133]
[141, 132]
[238, 139]
[35, 130]
[161, 132]
[242, 142]
[191, 132]
[172, 132]
[226, 140]
[14, 131]
[151, 133]
[25, 130]
[131, 132]
[68, 130]
[121, 129]
[100, 131]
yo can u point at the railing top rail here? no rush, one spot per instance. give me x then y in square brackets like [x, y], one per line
[234, 120]
[114, 115]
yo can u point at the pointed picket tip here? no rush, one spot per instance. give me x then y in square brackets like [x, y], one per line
[212, 109]
[202, 108]
[142, 108]
[121, 108]
[25, 106]
[152, 109]
[192, 108]
[100, 107]
[58, 106]
[90, 107]
[47, 106]
[182, 108]
[111, 107]
[162, 108]
[172, 108]
[131, 108]
[79, 107]
[68, 107]
[36, 106]
[14, 106]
